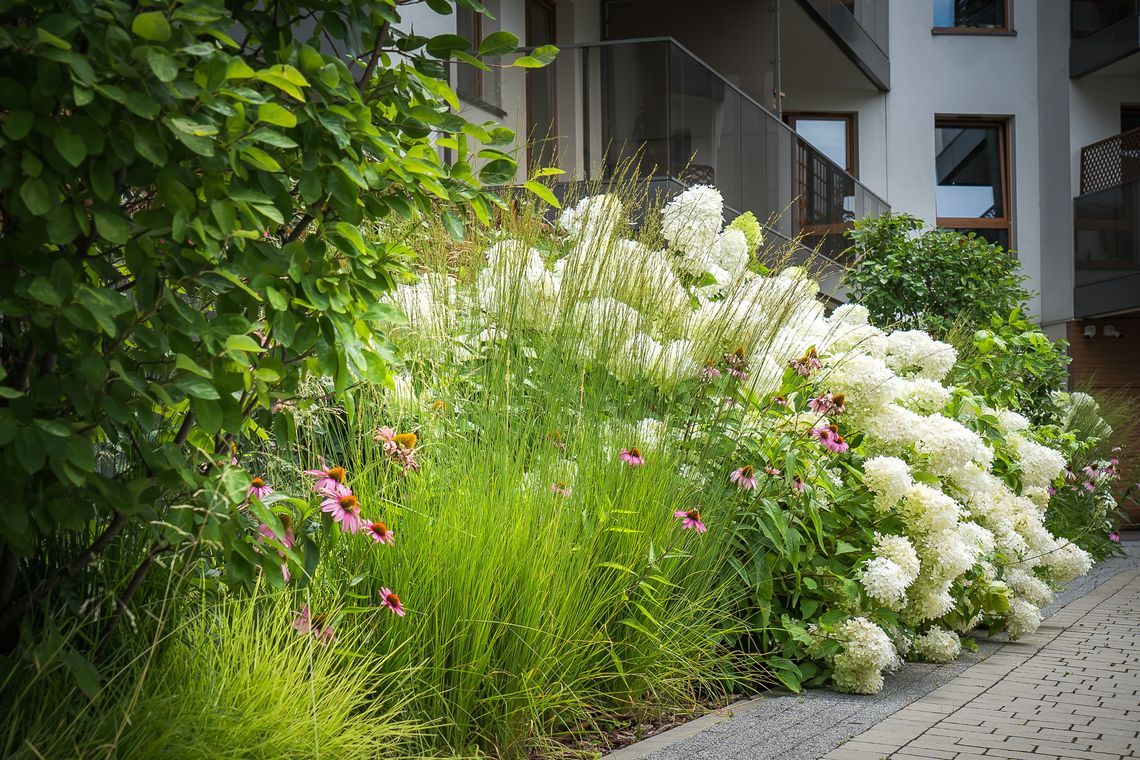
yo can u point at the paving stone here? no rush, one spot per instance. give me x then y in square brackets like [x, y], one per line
[1071, 690]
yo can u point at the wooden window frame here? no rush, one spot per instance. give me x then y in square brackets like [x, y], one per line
[552, 7]
[970, 224]
[1006, 30]
[852, 119]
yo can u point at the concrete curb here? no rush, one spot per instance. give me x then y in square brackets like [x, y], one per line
[680, 733]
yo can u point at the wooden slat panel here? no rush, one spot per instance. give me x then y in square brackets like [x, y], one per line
[1107, 363]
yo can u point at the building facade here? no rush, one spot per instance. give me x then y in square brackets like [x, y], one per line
[1016, 119]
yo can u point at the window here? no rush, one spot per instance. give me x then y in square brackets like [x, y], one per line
[971, 160]
[474, 85]
[971, 15]
[832, 134]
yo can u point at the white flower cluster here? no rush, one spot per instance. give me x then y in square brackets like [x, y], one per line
[867, 653]
[938, 645]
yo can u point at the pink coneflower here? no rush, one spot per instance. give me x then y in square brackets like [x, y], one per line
[745, 477]
[328, 478]
[798, 484]
[1070, 476]
[709, 371]
[830, 439]
[380, 533]
[691, 519]
[1115, 449]
[1114, 537]
[317, 625]
[1090, 486]
[780, 400]
[258, 489]
[771, 471]
[344, 508]
[287, 541]
[632, 457]
[389, 599]
[828, 403]
[560, 489]
[383, 434]
[807, 363]
[1091, 471]
[1051, 490]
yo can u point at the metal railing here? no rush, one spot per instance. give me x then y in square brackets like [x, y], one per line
[1111, 162]
[655, 104]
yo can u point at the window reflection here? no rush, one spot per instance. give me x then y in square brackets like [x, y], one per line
[970, 14]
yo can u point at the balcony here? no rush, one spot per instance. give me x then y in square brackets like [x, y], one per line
[653, 103]
[1107, 227]
[1103, 32]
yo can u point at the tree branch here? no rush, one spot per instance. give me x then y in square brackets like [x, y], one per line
[373, 58]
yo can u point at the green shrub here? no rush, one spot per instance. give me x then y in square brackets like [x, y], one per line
[185, 189]
[1014, 365]
[918, 279]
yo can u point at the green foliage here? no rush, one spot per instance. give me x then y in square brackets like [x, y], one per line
[187, 188]
[919, 279]
[236, 680]
[748, 224]
[1014, 365]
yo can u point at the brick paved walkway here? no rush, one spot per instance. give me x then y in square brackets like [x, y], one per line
[1071, 690]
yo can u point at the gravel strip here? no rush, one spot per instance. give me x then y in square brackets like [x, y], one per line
[808, 726]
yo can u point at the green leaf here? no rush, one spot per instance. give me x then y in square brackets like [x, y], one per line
[18, 124]
[112, 225]
[70, 146]
[454, 225]
[498, 43]
[271, 113]
[443, 45]
[46, 37]
[257, 157]
[162, 64]
[151, 26]
[243, 343]
[36, 196]
[498, 172]
[85, 674]
[197, 387]
[542, 191]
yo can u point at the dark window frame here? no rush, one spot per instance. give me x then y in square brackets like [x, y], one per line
[972, 224]
[1006, 30]
[533, 152]
[852, 131]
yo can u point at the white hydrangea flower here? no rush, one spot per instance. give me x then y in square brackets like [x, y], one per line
[891, 428]
[885, 582]
[865, 380]
[730, 252]
[889, 479]
[1040, 465]
[1011, 422]
[852, 314]
[929, 510]
[691, 222]
[673, 363]
[1069, 561]
[899, 550]
[922, 395]
[867, 652]
[403, 395]
[977, 536]
[594, 220]
[951, 445]
[948, 554]
[844, 338]
[603, 324]
[928, 599]
[938, 645]
[650, 433]
[1028, 586]
[914, 353]
[1023, 618]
